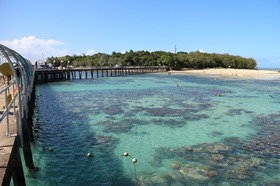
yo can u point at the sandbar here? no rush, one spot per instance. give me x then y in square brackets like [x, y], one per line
[232, 73]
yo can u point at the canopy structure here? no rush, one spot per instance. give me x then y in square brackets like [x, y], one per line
[18, 73]
[21, 68]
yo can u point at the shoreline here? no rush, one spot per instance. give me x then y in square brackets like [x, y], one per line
[232, 73]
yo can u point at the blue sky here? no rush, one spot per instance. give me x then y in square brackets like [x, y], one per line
[41, 29]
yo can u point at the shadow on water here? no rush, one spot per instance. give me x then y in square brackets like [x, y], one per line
[63, 140]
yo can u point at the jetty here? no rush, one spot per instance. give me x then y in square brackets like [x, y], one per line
[52, 74]
[17, 103]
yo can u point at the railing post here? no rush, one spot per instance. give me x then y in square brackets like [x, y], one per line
[7, 117]
[14, 93]
[19, 128]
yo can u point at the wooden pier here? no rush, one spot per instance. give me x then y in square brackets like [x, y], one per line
[47, 75]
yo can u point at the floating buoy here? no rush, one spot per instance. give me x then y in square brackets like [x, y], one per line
[89, 155]
[134, 161]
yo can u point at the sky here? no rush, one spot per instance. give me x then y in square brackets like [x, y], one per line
[39, 29]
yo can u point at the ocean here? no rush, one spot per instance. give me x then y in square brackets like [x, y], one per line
[157, 129]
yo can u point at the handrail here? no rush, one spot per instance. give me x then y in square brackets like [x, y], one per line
[8, 106]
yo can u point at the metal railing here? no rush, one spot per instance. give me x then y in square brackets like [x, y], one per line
[10, 103]
[21, 86]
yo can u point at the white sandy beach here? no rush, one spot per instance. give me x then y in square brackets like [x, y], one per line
[233, 73]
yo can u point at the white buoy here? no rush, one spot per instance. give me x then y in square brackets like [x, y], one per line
[125, 153]
[134, 161]
[89, 155]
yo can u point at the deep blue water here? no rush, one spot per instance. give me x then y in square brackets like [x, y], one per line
[183, 130]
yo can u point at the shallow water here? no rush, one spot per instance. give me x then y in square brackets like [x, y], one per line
[183, 131]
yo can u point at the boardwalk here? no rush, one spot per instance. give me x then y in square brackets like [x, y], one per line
[6, 141]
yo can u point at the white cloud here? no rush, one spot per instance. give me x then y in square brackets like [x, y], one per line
[34, 48]
[90, 52]
[201, 50]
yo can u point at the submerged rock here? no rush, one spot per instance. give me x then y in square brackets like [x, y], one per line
[215, 147]
[155, 179]
[240, 173]
[175, 166]
[249, 161]
[218, 160]
[113, 110]
[267, 141]
[194, 172]
[218, 147]
[213, 160]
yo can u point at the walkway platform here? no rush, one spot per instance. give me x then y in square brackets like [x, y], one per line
[6, 142]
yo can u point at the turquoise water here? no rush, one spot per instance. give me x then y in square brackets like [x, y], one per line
[182, 130]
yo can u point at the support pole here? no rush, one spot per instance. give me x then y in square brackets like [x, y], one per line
[26, 144]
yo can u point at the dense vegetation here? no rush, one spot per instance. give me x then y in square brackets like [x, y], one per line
[195, 60]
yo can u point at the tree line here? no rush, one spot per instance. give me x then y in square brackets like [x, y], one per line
[194, 60]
